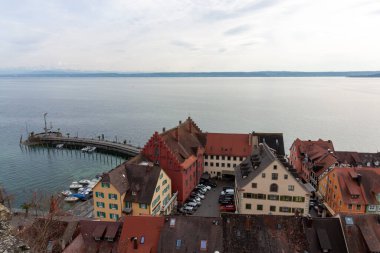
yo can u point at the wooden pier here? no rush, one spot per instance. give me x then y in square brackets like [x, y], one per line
[52, 139]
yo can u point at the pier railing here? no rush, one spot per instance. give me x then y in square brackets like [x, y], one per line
[75, 142]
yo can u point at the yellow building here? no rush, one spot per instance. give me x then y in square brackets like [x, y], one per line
[132, 189]
[264, 185]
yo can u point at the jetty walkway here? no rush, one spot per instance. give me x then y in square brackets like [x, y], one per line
[53, 139]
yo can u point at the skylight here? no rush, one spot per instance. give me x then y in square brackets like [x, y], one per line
[349, 220]
[203, 245]
[172, 222]
[178, 244]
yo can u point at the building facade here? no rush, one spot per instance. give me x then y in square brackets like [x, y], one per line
[264, 185]
[312, 159]
[133, 190]
[351, 190]
[224, 151]
[179, 151]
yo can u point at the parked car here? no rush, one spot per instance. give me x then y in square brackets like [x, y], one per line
[227, 208]
[227, 202]
[206, 186]
[195, 199]
[228, 191]
[193, 204]
[188, 209]
[197, 194]
[228, 187]
[211, 184]
[201, 190]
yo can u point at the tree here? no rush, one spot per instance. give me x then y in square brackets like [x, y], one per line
[26, 207]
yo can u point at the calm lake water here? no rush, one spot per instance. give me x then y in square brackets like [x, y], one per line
[345, 110]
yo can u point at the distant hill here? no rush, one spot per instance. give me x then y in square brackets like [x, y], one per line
[58, 73]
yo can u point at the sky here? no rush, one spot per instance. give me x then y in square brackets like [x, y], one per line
[190, 35]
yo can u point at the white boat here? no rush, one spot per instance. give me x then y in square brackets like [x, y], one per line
[91, 149]
[71, 199]
[66, 193]
[75, 185]
[85, 149]
[84, 182]
[59, 146]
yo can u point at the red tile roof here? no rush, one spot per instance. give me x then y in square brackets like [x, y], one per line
[228, 144]
[141, 226]
[364, 182]
[184, 140]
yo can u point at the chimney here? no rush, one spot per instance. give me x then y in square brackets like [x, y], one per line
[176, 134]
[135, 245]
[250, 139]
[163, 129]
[359, 179]
[180, 122]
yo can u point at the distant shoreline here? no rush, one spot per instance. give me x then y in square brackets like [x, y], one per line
[353, 74]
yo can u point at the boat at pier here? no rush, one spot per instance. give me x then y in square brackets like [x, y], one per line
[75, 186]
[71, 199]
[84, 182]
[59, 146]
[66, 193]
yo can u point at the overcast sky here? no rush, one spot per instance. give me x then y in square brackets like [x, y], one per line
[184, 35]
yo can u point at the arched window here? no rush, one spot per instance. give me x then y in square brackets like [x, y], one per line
[274, 188]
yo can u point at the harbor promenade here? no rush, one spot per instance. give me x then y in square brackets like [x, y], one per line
[105, 146]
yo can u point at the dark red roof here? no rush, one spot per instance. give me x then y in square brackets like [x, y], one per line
[228, 144]
[148, 227]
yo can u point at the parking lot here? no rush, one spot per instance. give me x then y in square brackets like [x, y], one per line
[210, 205]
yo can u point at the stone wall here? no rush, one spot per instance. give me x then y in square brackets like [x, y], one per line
[8, 242]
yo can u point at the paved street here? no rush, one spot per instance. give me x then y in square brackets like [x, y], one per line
[210, 205]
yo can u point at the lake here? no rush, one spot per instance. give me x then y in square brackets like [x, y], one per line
[345, 110]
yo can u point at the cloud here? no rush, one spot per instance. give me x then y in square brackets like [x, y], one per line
[184, 44]
[237, 30]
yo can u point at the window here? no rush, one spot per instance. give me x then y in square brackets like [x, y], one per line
[100, 204]
[299, 210]
[290, 188]
[203, 245]
[217, 164]
[113, 206]
[223, 158]
[155, 201]
[217, 157]
[285, 198]
[272, 208]
[228, 158]
[158, 187]
[101, 214]
[164, 182]
[228, 165]
[350, 206]
[161, 175]
[254, 185]
[263, 175]
[261, 196]
[273, 197]
[212, 157]
[274, 176]
[99, 195]
[248, 195]
[105, 185]
[206, 156]
[285, 176]
[298, 199]
[112, 196]
[275, 167]
[273, 188]
[358, 207]
[234, 158]
[284, 209]
[248, 206]
[114, 216]
[206, 163]
[142, 240]
[241, 158]
[259, 207]
[223, 165]
[143, 206]
[211, 164]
